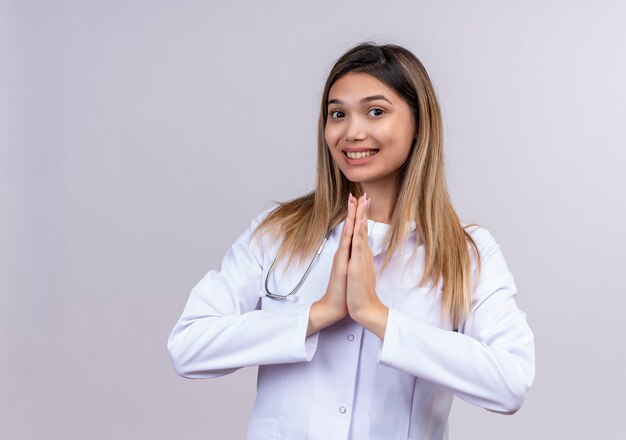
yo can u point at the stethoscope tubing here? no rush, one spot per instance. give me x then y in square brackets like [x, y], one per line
[279, 297]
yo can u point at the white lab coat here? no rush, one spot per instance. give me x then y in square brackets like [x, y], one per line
[343, 382]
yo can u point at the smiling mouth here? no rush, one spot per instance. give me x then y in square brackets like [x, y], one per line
[360, 154]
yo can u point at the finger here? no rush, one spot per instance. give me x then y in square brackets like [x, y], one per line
[348, 226]
[363, 213]
[352, 221]
[362, 234]
[352, 212]
[361, 206]
[356, 236]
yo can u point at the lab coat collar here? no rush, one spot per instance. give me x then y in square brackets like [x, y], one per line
[377, 232]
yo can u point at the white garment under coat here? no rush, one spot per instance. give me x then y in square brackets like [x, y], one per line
[343, 382]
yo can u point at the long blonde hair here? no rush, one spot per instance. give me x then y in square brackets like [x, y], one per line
[422, 194]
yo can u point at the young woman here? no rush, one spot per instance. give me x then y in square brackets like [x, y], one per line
[372, 334]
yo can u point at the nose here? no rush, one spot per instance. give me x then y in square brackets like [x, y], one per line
[355, 130]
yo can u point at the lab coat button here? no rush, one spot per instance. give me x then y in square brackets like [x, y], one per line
[342, 409]
[350, 337]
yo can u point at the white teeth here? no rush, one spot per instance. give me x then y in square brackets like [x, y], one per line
[360, 154]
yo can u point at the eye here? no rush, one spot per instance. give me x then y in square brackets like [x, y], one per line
[335, 111]
[380, 110]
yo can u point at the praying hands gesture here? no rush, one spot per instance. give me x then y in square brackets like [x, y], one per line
[352, 284]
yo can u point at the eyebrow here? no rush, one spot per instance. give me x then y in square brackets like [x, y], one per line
[366, 99]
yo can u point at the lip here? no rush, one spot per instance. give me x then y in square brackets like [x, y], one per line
[362, 160]
[357, 149]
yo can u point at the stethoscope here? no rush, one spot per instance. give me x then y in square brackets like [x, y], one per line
[308, 269]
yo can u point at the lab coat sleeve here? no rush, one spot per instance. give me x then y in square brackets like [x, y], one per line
[221, 329]
[490, 362]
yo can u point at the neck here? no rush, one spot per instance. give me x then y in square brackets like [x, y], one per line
[382, 195]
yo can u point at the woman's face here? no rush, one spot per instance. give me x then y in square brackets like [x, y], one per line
[365, 115]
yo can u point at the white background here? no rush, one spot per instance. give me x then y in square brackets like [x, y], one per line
[139, 138]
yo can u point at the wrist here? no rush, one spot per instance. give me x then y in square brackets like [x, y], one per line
[373, 318]
[322, 315]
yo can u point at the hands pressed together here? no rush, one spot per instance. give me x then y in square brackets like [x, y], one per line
[352, 285]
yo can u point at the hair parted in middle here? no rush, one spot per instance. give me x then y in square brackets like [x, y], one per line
[421, 189]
